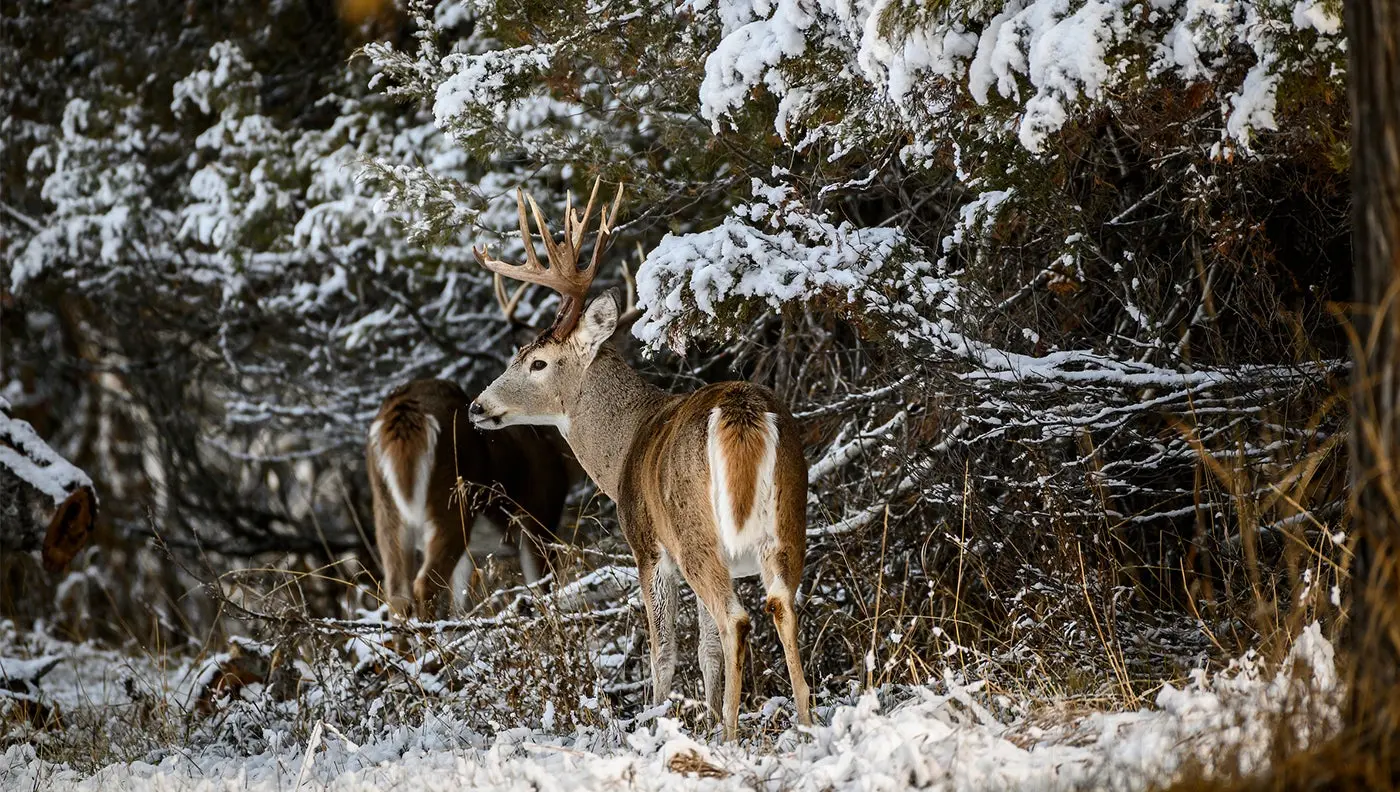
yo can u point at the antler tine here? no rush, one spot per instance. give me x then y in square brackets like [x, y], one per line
[508, 306]
[525, 229]
[581, 227]
[631, 280]
[559, 264]
[605, 227]
[568, 214]
[498, 286]
[616, 207]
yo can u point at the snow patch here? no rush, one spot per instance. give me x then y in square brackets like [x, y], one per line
[948, 735]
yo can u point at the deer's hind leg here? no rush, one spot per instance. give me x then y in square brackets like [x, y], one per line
[711, 656]
[448, 534]
[780, 564]
[395, 549]
[664, 593]
[708, 575]
[657, 582]
[538, 526]
[775, 568]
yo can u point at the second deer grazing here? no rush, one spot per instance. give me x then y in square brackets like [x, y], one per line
[420, 446]
[712, 483]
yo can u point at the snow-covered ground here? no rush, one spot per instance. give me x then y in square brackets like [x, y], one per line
[946, 735]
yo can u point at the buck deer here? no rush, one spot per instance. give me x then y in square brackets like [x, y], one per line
[711, 483]
[419, 445]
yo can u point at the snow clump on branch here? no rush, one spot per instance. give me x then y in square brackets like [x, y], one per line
[774, 250]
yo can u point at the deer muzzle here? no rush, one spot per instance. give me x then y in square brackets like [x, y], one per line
[482, 419]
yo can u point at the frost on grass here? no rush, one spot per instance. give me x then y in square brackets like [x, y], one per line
[948, 734]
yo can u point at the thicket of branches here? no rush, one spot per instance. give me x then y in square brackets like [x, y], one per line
[1056, 328]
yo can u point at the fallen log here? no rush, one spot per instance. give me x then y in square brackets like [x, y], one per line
[26, 457]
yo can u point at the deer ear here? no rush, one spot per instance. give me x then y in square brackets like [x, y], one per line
[597, 324]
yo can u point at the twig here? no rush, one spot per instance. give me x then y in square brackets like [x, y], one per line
[28, 221]
[309, 758]
[879, 593]
[851, 401]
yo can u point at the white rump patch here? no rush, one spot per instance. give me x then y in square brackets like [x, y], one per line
[743, 545]
[412, 506]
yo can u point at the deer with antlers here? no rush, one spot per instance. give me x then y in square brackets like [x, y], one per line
[423, 457]
[711, 484]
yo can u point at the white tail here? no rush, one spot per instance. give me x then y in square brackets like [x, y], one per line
[743, 537]
[408, 483]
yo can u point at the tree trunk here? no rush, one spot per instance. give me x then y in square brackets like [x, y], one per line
[1373, 36]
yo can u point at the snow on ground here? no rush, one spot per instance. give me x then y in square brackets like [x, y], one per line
[943, 736]
[87, 676]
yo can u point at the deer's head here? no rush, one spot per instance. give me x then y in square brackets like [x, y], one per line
[546, 375]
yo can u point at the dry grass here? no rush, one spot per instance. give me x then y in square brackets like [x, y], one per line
[1365, 753]
[1068, 625]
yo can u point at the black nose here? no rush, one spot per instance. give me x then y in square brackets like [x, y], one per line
[476, 409]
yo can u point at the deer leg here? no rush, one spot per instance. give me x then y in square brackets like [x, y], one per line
[663, 597]
[465, 579]
[658, 600]
[448, 566]
[538, 523]
[711, 656]
[709, 577]
[780, 606]
[440, 556]
[656, 576]
[734, 643]
[395, 553]
[535, 558]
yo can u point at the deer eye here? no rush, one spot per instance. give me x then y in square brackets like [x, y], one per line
[538, 365]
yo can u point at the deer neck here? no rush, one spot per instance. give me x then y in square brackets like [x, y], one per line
[612, 401]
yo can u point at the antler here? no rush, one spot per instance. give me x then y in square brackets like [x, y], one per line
[630, 281]
[507, 304]
[630, 311]
[563, 274]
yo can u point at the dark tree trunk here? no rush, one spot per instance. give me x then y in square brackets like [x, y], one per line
[1373, 35]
